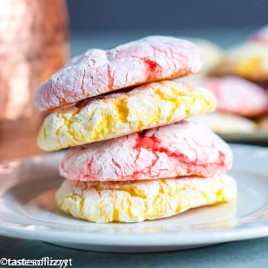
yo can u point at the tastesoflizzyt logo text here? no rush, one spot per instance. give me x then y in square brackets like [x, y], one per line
[45, 261]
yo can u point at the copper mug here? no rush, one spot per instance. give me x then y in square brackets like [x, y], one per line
[33, 45]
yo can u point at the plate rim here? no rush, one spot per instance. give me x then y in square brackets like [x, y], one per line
[179, 238]
[170, 238]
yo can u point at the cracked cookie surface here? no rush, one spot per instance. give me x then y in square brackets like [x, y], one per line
[99, 71]
[137, 201]
[164, 152]
[114, 115]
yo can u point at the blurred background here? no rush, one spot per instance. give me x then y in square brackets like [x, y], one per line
[38, 37]
[221, 21]
[157, 15]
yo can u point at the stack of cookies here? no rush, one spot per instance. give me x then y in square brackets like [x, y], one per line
[133, 156]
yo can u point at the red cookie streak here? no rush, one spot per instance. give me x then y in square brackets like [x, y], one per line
[98, 71]
[183, 149]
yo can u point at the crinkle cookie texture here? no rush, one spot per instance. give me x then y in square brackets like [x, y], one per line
[249, 60]
[118, 114]
[98, 71]
[238, 96]
[182, 149]
[142, 200]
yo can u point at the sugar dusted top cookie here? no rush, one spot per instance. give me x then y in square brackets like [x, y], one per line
[99, 71]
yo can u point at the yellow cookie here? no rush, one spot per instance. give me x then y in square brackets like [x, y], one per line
[249, 60]
[142, 200]
[118, 114]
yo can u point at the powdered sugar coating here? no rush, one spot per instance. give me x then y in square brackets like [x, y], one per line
[98, 71]
[238, 96]
[136, 201]
[165, 152]
[114, 115]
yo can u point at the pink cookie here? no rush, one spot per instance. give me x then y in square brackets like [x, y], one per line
[237, 96]
[261, 35]
[182, 149]
[98, 71]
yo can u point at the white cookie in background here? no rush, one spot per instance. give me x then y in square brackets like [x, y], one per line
[212, 54]
[226, 123]
[195, 79]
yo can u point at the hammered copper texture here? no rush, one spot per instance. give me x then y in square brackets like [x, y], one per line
[33, 45]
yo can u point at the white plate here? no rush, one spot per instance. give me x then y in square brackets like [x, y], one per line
[28, 210]
[255, 137]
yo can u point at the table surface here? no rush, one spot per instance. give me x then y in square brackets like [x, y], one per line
[251, 253]
[246, 254]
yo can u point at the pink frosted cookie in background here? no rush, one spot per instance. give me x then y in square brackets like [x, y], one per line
[182, 149]
[237, 96]
[261, 35]
[99, 71]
